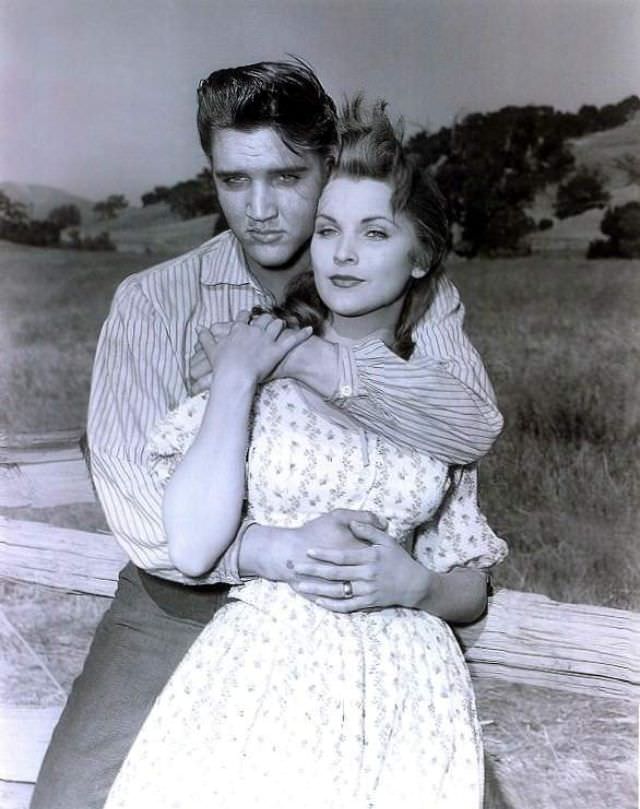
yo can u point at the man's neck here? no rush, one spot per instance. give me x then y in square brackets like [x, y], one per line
[275, 279]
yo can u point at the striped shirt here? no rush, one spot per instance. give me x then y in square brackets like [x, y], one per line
[440, 401]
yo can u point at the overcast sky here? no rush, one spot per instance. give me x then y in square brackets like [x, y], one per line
[98, 96]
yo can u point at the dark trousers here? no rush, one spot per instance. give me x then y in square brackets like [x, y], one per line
[142, 637]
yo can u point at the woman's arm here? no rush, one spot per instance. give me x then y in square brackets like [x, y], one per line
[203, 500]
[202, 504]
[383, 574]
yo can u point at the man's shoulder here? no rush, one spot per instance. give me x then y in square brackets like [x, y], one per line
[159, 279]
[445, 302]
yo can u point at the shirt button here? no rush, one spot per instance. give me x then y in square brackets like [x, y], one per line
[345, 390]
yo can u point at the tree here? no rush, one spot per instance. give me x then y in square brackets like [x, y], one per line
[583, 191]
[622, 225]
[195, 197]
[11, 211]
[65, 216]
[159, 194]
[109, 207]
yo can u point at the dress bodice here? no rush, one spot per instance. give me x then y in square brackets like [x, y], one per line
[302, 463]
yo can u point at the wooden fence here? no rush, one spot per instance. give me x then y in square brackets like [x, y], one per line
[525, 637]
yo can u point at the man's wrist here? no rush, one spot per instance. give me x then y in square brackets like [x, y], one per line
[315, 364]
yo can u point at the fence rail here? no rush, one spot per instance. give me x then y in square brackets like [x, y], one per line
[525, 637]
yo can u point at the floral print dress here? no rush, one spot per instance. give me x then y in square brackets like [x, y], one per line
[281, 703]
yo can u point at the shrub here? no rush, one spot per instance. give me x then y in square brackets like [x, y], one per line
[100, 242]
[622, 225]
[108, 208]
[583, 191]
[65, 216]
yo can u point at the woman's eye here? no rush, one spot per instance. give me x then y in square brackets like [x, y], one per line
[375, 233]
[325, 231]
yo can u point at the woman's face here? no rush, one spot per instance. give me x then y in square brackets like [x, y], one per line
[360, 251]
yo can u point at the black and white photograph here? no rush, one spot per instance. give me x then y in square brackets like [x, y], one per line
[319, 423]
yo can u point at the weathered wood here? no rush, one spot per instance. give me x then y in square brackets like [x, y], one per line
[71, 560]
[528, 638]
[15, 796]
[38, 447]
[43, 470]
[25, 734]
[525, 637]
[41, 485]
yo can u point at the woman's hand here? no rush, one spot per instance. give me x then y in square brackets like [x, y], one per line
[381, 574]
[251, 348]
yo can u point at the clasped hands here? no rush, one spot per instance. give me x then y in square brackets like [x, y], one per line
[252, 345]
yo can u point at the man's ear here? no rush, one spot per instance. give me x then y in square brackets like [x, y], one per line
[418, 272]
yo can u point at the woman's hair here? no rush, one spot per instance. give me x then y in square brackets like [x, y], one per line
[286, 96]
[369, 147]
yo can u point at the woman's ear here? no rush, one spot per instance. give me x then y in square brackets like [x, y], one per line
[418, 272]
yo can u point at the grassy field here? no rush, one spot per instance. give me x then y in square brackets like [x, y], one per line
[560, 338]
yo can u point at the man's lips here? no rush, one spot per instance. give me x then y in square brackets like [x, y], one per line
[266, 236]
[345, 281]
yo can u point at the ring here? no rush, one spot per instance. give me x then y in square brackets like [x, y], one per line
[347, 589]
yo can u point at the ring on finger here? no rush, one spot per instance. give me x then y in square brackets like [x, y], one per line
[347, 589]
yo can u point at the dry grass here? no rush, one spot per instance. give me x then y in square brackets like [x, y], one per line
[560, 337]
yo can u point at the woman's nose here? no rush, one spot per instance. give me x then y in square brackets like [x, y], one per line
[345, 252]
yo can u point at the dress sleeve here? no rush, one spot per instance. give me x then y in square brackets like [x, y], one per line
[459, 535]
[172, 436]
[440, 400]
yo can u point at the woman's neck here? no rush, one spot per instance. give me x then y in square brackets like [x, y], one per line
[380, 323]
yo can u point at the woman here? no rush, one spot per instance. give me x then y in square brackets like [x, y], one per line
[281, 702]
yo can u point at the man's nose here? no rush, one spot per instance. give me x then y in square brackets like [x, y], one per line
[261, 205]
[345, 252]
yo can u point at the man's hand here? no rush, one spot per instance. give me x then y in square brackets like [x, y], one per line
[378, 574]
[200, 366]
[273, 553]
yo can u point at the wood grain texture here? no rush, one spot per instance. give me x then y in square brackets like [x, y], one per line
[71, 560]
[525, 637]
[24, 736]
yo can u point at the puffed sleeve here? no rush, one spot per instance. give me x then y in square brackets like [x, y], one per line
[459, 535]
[172, 436]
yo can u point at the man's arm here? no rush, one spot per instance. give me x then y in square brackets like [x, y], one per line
[136, 381]
[440, 401]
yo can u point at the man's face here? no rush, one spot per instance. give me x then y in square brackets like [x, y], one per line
[268, 193]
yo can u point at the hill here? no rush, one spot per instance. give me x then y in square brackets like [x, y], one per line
[601, 151]
[152, 229]
[40, 199]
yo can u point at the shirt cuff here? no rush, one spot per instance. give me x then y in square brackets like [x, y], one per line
[227, 570]
[348, 385]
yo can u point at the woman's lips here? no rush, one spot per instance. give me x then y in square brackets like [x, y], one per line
[345, 281]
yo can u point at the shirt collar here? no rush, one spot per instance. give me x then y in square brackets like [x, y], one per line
[224, 263]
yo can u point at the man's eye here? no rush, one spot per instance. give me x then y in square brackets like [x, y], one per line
[288, 179]
[234, 180]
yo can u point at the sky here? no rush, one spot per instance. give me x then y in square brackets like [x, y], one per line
[99, 97]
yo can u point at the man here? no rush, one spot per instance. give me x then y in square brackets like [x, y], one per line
[268, 130]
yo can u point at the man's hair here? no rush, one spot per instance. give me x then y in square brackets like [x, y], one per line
[286, 96]
[370, 148]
